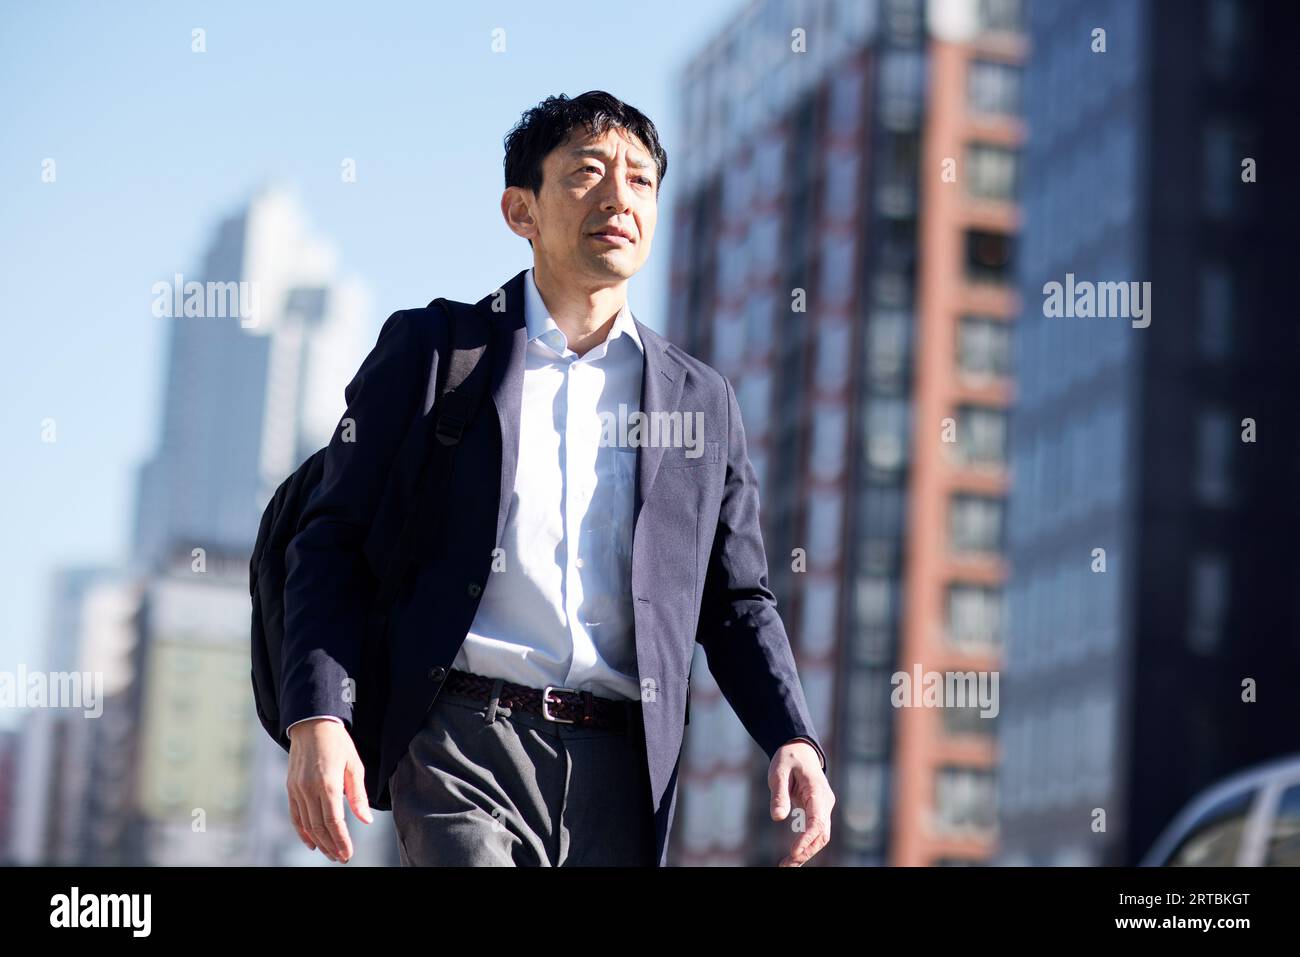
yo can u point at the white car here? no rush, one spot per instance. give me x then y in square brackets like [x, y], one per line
[1250, 819]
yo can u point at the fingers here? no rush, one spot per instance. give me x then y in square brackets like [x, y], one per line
[778, 781]
[354, 786]
[320, 826]
[297, 817]
[817, 800]
[331, 808]
[810, 842]
[319, 831]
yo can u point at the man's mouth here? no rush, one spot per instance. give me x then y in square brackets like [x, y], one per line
[615, 237]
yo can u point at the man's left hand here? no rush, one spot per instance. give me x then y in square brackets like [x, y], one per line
[795, 775]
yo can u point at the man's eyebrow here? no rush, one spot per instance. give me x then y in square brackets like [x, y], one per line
[635, 161]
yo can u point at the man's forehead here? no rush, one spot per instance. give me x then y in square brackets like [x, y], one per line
[587, 145]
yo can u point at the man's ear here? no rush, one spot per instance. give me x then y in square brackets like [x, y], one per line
[514, 209]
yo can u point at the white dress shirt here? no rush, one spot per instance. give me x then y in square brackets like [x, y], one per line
[560, 611]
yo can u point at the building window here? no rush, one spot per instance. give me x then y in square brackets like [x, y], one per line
[733, 269]
[965, 800]
[868, 704]
[1221, 174]
[818, 617]
[846, 102]
[834, 354]
[975, 523]
[835, 278]
[1098, 752]
[1216, 311]
[981, 436]
[697, 828]
[729, 339]
[765, 244]
[989, 257]
[874, 628]
[990, 172]
[897, 158]
[902, 87]
[884, 509]
[993, 88]
[736, 193]
[825, 527]
[876, 601]
[729, 791]
[984, 347]
[840, 185]
[1111, 475]
[829, 430]
[1001, 16]
[887, 343]
[1223, 37]
[1208, 602]
[769, 156]
[886, 445]
[1215, 435]
[759, 321]
[969, 720]
[866, 784]
[975, 616]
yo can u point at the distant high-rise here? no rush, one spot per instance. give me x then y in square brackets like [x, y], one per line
[1155, 631]
[813, 168]
[247, 399]
[72, 771]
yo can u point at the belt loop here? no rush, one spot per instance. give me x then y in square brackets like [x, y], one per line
[492, 701]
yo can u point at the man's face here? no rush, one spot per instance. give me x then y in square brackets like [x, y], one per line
[592, 189]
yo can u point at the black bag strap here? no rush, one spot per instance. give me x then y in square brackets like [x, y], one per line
[458, 399]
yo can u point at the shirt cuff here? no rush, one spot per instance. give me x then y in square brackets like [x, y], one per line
[312, 718]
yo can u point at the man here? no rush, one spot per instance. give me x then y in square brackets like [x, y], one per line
[540, 664]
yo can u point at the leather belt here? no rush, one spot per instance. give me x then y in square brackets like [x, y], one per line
[554, 703]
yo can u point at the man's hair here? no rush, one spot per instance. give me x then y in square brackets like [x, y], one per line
[547, 125]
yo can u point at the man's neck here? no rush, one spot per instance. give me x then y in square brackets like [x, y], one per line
[585, 314]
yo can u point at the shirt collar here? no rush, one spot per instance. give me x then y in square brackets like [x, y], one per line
[539, 322]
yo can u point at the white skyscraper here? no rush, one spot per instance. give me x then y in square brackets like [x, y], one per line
[246, 399]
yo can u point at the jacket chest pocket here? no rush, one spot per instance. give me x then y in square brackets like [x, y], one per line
[678, 458]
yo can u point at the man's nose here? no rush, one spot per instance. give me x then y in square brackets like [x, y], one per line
[618, 196]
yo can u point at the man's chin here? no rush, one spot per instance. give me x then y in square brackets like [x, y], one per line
[614, 265]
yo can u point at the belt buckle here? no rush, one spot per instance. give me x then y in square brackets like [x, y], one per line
[546, 699]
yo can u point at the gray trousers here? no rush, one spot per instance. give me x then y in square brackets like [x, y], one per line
[482, 785]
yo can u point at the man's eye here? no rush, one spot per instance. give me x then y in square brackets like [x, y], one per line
[644, 179]
[592, 168]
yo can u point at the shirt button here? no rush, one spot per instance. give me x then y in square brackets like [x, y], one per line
[473, 589]
[437, 674]
[578, 563]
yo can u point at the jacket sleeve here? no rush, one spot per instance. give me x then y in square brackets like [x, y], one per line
[325, 596]
[743, 637]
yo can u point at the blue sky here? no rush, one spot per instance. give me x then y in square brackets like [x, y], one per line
[154, 143]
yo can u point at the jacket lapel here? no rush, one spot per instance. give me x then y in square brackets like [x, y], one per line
[509, 342]
[662, 380]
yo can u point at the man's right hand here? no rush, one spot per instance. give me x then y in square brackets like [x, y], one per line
[323, 767]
